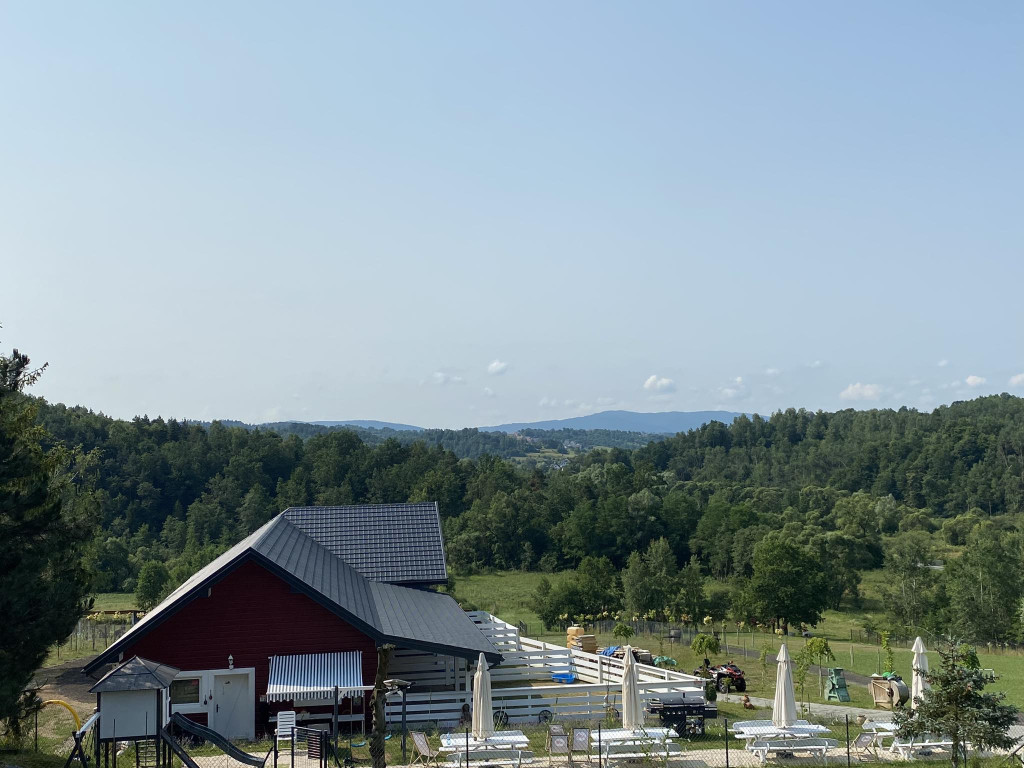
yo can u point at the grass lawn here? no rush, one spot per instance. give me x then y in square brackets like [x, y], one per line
[507, 594]
[26, 758]
[113, 601]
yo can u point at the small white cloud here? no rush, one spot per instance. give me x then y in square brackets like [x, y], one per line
[497, 367]
[860, 391]
[1017, 381]
[605, 401]
[974, 381]
[441, 378]
[488, 392]
[728, 392]
[547, 402]
[739, 380]
[943, 363]
[657, 383]
[815, 364]
[772, 371]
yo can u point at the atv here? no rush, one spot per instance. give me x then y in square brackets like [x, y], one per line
[726, 677]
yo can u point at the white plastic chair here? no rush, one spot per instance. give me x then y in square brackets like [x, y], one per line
[285, 727]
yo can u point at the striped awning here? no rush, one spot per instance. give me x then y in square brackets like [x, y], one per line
[315, 676]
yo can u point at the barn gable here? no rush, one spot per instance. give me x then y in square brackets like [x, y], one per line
[387, 613]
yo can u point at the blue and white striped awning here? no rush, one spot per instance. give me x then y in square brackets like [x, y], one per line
[315, 676]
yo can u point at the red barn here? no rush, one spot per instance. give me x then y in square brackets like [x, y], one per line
[300, 607]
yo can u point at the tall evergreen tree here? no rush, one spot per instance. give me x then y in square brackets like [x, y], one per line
[957, 708]
[44, 523]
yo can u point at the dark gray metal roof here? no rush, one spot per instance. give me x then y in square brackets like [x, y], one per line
[394, 543]
[390, 613]
[136, 674]
[429, 619]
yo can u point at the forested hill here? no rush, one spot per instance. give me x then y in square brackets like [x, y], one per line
[174, 494]
[472, 443]
[969, 454]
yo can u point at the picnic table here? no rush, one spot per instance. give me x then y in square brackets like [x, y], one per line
[764, 748]
[455, 741]
[774, 732]
[633, 743]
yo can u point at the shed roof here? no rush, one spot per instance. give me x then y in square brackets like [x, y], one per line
[389, 613]
[136, 674]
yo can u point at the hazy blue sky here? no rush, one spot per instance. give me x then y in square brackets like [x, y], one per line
[463, 213]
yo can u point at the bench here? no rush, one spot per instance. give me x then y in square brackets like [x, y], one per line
[764, 748]
[489, 757]
[640, 750]
[907, 748]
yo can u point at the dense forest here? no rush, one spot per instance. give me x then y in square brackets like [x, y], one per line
[828, 495]
[471, 443]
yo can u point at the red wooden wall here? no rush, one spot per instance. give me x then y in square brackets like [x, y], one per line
[251, 614]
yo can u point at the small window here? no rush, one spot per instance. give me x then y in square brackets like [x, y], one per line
[185, 691]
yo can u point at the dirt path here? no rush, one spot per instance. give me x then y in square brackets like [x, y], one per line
[67, 682]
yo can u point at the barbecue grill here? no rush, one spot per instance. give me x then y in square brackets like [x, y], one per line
[685, 717]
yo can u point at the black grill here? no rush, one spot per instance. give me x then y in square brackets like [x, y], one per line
[686, 718]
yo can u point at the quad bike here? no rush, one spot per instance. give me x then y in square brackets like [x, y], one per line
[726, 676]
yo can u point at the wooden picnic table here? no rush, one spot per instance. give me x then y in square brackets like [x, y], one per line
[455, 741]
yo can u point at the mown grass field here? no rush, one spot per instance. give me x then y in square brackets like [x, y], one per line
[114, 601]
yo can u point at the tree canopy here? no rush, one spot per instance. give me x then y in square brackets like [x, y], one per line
[44, 522]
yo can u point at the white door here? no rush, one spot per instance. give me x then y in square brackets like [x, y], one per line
[233, 712]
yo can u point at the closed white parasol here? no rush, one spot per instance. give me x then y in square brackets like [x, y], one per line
[632, 706]
[784, 709]
[919, 684]
[483, 717]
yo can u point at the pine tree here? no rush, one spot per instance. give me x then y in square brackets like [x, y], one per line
[957, 708]
[45, 519]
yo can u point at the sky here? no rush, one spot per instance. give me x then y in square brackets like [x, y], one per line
[454, 214]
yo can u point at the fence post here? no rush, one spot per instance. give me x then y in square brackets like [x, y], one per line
[847, 741]
[726, 742]
[467, 748]
[292, 748]
[37, 730]
[598, 745]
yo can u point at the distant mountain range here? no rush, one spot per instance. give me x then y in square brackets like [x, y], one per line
[663, 423]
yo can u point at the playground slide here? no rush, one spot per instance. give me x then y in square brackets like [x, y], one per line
[217, 740]
[176, 748]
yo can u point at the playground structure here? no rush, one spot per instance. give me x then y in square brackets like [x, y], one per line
[133, 709]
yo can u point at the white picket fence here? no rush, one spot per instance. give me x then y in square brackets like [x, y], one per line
[527, 703]
[503, 636]
[427, 669]
[526, 659]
